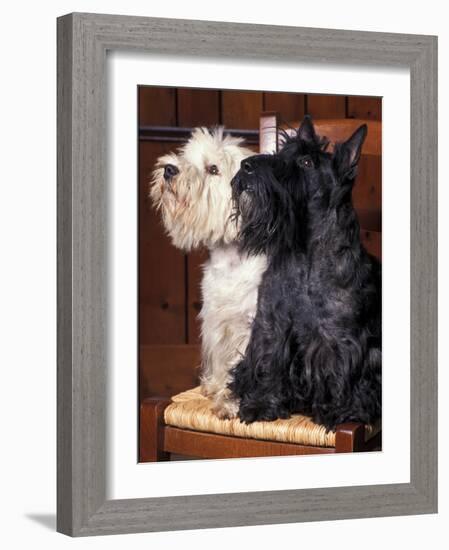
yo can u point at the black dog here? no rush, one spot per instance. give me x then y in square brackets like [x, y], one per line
[315, 346]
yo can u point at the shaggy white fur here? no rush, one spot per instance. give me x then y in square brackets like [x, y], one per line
[229, 286]
[196, 207]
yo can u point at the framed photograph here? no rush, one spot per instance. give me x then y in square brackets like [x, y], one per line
[198, 291]
[247, 281]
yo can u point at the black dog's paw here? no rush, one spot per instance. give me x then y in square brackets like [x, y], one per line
[254, 412]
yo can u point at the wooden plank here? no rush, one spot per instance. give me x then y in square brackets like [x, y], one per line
[151, 430]
[326, 106]
[168, 370]
[197, 107]
[288, 106]
[195, 261]
[365, 107]
[341, 130]
[161, 265]
[241, 109]
[207, 445]
[268, 132]
[350, 437]
[337, 130]
[367, 191]
[371, 220]
[372, 241]
[157, 106]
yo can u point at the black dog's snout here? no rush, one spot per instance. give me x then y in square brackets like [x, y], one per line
[170, 170]
[247, 167]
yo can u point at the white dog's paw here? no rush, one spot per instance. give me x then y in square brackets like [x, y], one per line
[226, 409]
[205, 390]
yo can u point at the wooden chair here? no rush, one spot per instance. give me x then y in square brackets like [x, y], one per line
[159, 439]
[168, 426]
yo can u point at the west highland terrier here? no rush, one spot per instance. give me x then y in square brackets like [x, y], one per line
[193, 190]
[315, 346]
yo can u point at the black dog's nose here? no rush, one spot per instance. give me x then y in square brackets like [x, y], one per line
[247, 167]
[170, 170]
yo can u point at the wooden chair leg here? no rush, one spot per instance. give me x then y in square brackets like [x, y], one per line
[350, 438]
[151, 430]
[268, 132]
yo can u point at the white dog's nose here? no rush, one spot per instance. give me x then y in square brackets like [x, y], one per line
[170, 170]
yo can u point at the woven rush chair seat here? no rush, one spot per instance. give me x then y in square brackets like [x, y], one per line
[193, 411]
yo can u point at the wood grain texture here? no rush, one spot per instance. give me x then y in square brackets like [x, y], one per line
[288, 106]
[198, 107]
[372, 241]
[82, 255]
[151, 430]
[162, 297]
[424, 277]
[195, 262]
[367, 191]
[269, 139]
[349, 438]
[326, 106]
[207, 445]
[241, 109]
[168, 370]
[365, 107]
[340, 129]
[65, 495]
[83, 40]
[157, 106]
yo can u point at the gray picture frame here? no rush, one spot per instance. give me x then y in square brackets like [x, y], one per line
[83, 40]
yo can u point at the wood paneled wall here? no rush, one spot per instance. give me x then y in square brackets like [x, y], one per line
[169, 280]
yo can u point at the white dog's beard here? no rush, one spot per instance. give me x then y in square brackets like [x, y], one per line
[195, 221]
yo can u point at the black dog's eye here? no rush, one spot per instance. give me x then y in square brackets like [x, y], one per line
[247, 167]
[305, 162]
[212, 169]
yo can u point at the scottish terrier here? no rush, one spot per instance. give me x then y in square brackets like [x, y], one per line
[315, 345]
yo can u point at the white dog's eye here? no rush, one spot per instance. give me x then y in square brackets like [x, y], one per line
[212, 169]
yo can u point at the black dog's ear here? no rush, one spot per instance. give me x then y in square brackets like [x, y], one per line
[306, 131]
[347, 154]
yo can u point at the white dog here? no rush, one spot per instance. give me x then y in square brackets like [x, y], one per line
[192, 188]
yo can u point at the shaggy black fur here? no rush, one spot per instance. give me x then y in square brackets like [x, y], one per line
[315, 345]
